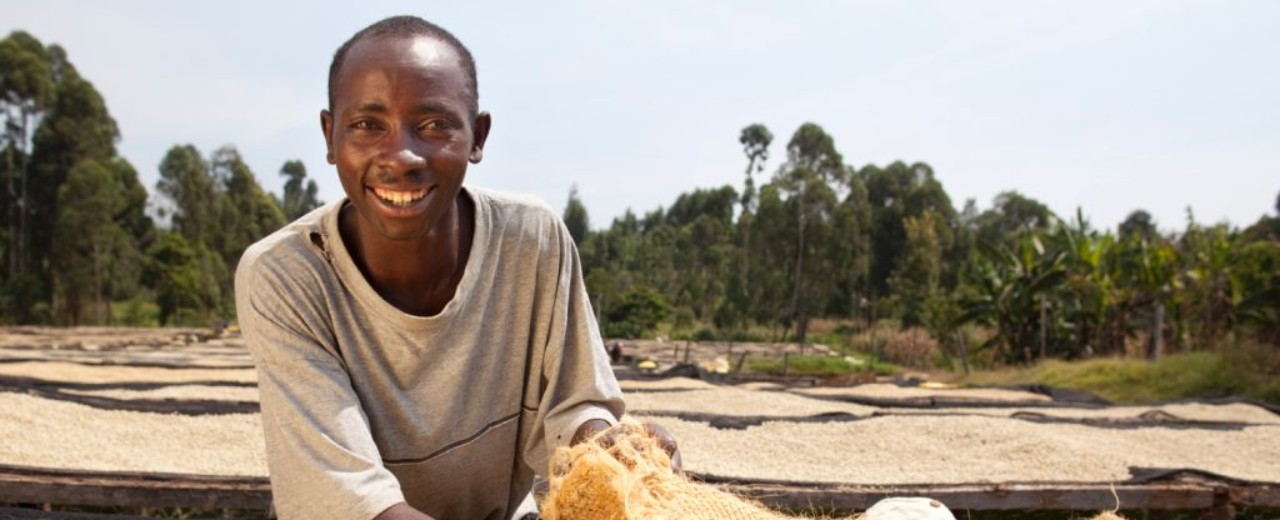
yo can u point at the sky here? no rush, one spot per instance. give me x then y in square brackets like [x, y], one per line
[1101, 105]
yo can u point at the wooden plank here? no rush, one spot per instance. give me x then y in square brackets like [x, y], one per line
[13, 513]
[1257, 496]
[87, 488]
[1077, 497]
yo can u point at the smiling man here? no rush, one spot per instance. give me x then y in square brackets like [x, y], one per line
[422, 347]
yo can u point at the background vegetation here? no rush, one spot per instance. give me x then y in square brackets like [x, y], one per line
[80, 244]
[872, 258]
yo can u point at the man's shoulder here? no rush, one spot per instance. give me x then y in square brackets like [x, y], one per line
[296, 244]
[510, 202]
[507, 208]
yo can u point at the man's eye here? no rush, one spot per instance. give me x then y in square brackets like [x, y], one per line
[437, 125]
[363, 124]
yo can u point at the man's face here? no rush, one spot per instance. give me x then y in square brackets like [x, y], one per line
[401, 133]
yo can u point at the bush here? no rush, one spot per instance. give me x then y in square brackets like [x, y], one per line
[136, 312]
[912, 347]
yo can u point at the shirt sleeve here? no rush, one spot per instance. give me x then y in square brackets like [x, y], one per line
[578, 384]
[321, 455]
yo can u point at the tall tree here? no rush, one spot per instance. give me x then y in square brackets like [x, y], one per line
[575, 217]
[755, 140]
[896, 192]
[245, 211]
[77, 127]
[299, 191]
[190, 192]
[813, 166]
[27, 88]
[916, 280]
[852, 248]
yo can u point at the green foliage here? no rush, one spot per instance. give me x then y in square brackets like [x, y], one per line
[1013, 296]
[1248, 370]
[879, 249]
[299, 192]
[575, 217]
[218, 209]
[640, 311]
[184, 279]
[138, 311]
[95, 257]
[814, 366]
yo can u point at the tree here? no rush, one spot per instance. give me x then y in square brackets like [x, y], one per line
[852, 248]
[94, 253]
[27, 88]
[894, 193]
[1013, 292]
[245, 211]
[755, 140]
[299, 192]
[641, 311]
[916, 280]
[812, 165]
[772, 258]
[575, 217]
[219, 209]
[1010, 215]
[190, 192]
[176, 271]
[1138, 225]
[73, 126]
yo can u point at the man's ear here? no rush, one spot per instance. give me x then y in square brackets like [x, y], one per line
[326, 125]
[479, 133]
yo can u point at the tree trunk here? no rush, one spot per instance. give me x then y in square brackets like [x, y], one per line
[21, 240]
[13, 216]
[798, 294]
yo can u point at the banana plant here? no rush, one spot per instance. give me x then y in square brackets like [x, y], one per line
[1013, 289]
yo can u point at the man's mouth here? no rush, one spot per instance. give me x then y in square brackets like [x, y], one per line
[402, 199]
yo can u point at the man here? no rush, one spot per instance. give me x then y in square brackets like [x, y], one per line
[422, 347]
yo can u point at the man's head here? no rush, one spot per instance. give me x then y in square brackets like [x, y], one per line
[407, 27]
[402, 126]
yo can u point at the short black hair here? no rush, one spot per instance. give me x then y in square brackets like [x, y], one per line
[408, 27]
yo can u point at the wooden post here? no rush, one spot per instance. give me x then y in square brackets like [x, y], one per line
[1044, 327]
[686, 352]
[741, 359]
[786, 365]
[1157, 333]
[964, 351]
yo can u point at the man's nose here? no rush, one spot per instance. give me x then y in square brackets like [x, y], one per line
[405, 153]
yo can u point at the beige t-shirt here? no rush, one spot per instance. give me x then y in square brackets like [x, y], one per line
[365, 406]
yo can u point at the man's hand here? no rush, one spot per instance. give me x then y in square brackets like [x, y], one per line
[656, 431]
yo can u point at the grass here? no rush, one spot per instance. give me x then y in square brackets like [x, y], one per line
[1252, 371]
[816, 366]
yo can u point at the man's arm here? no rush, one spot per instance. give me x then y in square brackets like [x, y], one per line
[321, 455]
[402, 511]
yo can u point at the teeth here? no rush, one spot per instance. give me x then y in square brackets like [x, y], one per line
[399, 198]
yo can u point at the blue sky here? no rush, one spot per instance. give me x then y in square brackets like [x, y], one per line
[1109, 106]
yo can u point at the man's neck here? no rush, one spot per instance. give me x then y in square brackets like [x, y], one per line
[418, 276]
